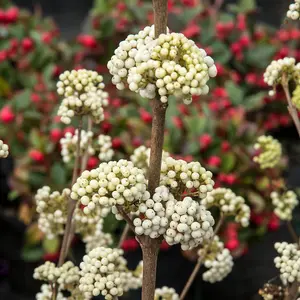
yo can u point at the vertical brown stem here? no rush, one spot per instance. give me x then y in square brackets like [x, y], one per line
[150, 247]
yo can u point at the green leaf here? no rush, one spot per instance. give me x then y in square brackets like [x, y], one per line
[35, 139]
[188, 15]
[247, 5]
[32, 254]
[107, 27]
[196, 125]
[228, 162]
[32, 115]
[51, 245]
[260, 55]
[58, 174]
[22, 100]
[13, 195]
[221, 52]
[235, 92]
[36, 180]
[254, 101]
[101, 7]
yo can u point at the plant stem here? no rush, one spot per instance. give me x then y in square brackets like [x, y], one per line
[291, 108]
[86, 154]
[124, 235]
[150, 247]
[292, 232]
[71, 203]
[200, 261]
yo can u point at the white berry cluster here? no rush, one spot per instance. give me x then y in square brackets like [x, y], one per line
[217, 259]
[46, 293]
[278, 68]
[84, 95]
[190, 223]
[135, 278]
[288, 262]
[180, 222]
[168, 65]
[103, 272]
[105, 152]
[67, 276]
[284, 204]
[181, 176]
[270, 152]
[69, 144]
[229, 203]
[294, 11]
[141, 157]
[112, 183]
[52, 210]
[3, 149]
[166, 293]
[152, 220]
[97, 237]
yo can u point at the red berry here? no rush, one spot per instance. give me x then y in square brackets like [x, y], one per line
[214, 161]
[12, 14]
[106, 126]
[225, 146]
[92, 162]
[130, 244]
[53, 256]
[116, 143]
[232, 244]
[191, 31]
[55, 135]
[205, 140]
[145, 116]
[6, 115]
[3, 55]
[251, 78]
[87, 41]
[70, 129]
[164, 246]
[35, 98]
[27, 44]
[36, 155]
[47, 37]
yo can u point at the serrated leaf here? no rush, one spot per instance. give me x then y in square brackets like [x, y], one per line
[254, 101]
[228, 162]
[58, 174]
[22, 100]
[235, 92]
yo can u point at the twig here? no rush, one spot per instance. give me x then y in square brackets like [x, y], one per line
[124, 235]
[291, 108]
[71, 203]
[125, 217]
[292, 232]
[200, 260]
[86, 154]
